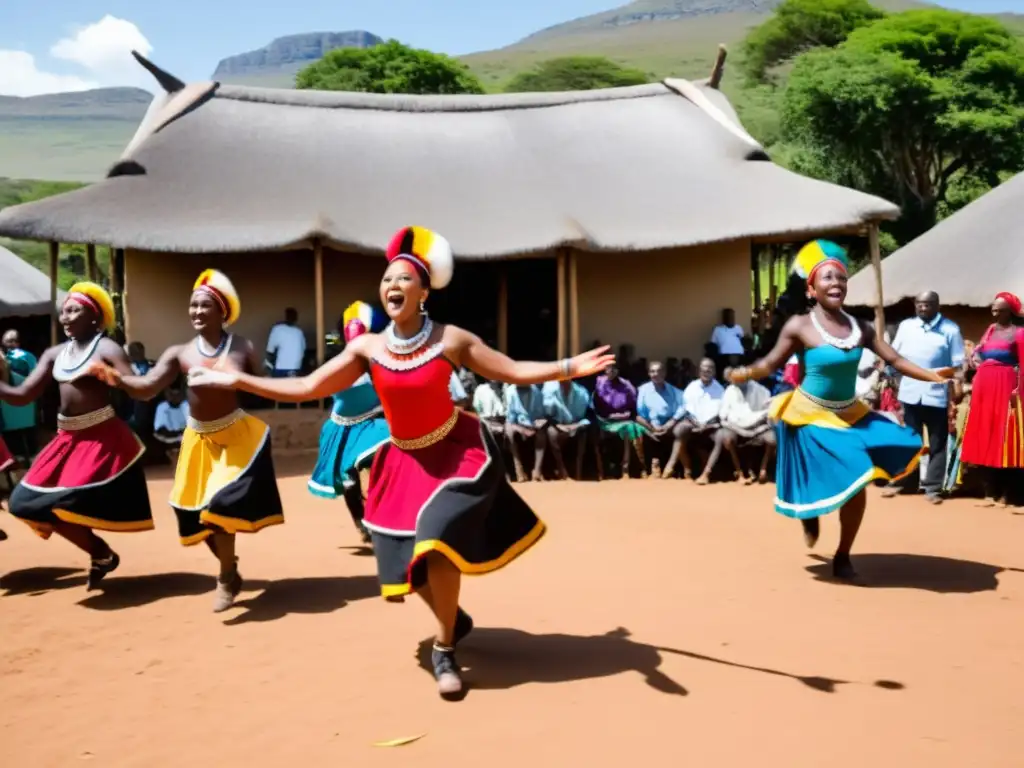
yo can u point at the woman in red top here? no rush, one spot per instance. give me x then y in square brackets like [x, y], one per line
[439, 504]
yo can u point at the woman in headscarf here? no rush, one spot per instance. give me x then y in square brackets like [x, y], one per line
[830, 444]
[993, 436]
[614, 404]
[439, 503]
[89, 476]
[355, 430]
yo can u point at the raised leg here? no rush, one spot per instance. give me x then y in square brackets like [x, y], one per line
[444, 582]
[104, 560]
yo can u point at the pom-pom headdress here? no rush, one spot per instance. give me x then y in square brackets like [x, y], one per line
[815, 255]
[216, 285]
[96, 299]
[1012, 301]
[425, 249]
[359, 318]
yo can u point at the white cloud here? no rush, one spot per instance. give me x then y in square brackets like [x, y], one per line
[101, 51]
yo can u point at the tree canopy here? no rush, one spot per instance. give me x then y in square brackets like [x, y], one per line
[908, 106]
[799, 25]
[390, 67]
[575, 73]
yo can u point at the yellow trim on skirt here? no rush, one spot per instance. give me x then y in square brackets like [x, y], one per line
[798, 410]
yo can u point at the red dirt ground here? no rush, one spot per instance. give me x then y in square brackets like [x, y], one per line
[657, 622]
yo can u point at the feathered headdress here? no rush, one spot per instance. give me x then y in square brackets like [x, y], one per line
[815, 255]
[216, 285]
[427, 250]
[359, 318]
[93, 297]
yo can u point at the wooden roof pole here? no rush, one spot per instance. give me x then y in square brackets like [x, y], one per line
[574, 306]
[560, 266]
[318, 280]
[503, 308]
[876, 265]
[54, 318]
[719, 69]
[90, 263]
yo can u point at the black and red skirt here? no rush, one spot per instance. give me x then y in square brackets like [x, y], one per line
[89, 475]
[451, 496]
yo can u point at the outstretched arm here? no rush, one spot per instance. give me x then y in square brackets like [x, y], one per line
[160, 376]
[789, 342]
[492, 364]
[34, 384]
[877, 344]
[336, 374]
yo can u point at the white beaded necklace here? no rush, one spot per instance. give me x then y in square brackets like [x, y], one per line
[68, 366]
[849, 342]
[399, 346]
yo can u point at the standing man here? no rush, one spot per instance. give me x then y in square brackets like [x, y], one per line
[930, 341]
[18, 423]
[286, 346]
[728, 337]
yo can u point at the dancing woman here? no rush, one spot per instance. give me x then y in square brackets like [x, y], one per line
[439, 504]
[830, 444]
[994, 434]
[89, 477]
[355, 431]
[224, 482]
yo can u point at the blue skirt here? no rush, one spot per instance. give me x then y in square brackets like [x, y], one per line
[826, 457]
[345, 449]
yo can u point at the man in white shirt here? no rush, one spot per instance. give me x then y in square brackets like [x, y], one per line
[286, 346]
[930, 341]
[489, 405]
[171, 417]
[702, 401]
[728, 337]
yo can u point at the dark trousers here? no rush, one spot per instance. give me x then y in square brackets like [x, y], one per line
[917, 417]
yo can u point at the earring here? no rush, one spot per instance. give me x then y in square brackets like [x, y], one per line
[423, 307]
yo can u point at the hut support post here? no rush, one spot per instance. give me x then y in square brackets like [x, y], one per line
[318, 280]
[876, 265]
[560, 267]
[502, 309]
[90, 263]
[54, 319]
[719, 69]
[755, 269]
[574, 307]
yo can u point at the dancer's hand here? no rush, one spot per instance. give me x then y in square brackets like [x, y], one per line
[945, 374]
[105, 373]
[738, 375]
[207, 377]
[589, 363]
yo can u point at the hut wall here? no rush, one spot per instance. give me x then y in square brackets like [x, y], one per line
[157, 287]
[665, 303]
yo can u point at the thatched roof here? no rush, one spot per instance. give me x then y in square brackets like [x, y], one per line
[230, 168]
[24, 290]
[967, 259]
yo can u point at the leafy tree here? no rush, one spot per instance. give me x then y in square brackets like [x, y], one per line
[575, 73]
[799, 25]
[390, 67]
[909, 105]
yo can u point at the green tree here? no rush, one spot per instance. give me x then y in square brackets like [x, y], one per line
[908, 106]
[799, 25]
[575, 73]
[390, 67]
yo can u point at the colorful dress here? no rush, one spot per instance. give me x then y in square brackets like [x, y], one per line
[89, 474]
[440, 484]
[6, 459]
[349, 439]
[830, 444]
[613, 397]
[993, 436]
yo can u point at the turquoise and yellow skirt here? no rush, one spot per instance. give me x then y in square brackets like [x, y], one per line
[347, 446]
[826, 456]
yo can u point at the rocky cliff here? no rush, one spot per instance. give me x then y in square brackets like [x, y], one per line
[286, 55]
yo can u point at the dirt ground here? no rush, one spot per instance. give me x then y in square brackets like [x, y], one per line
[656, 622]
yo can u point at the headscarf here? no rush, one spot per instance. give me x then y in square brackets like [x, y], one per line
[360, 318]
[217, 286]
[97, 300]
[815, 255]
[426, 250]
[1012, 300]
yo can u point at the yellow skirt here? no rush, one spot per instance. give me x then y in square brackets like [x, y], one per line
[225, 481]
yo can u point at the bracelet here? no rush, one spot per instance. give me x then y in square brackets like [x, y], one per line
[565, 368]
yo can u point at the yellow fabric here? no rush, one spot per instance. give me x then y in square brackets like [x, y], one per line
[102, 298]
[209, 462]
[220, 283]
[798, 410]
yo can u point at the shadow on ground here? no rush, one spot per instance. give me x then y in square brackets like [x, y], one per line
[944, 575]
[36, 581]
[303, 595]
[499, 659]
[115, 593]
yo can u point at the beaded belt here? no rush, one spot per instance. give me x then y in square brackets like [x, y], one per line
[209, 427]
[830, 405]
[86, 420]
[436, 436]
[348, 421]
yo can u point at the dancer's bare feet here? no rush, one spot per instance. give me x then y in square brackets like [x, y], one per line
[812, 530]
[703, 480]
[842, 568]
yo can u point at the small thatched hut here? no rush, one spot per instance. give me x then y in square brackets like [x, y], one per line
[26, 301]
[625, 215]
[967, 259]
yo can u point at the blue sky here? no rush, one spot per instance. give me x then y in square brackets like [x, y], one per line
[74, 44]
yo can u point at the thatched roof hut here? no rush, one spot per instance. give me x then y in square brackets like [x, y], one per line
[24, 290]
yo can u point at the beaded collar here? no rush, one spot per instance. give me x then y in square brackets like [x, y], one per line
[66, 367]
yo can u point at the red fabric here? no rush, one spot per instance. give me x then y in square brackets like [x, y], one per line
[6, 459]
[353, 329]
[416, 401]
[791, 374]
[85, 457]
[889, 402]
[986, 431]
[1012, 300]
[401, 482]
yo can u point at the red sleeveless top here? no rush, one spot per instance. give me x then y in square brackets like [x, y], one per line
[414, 392]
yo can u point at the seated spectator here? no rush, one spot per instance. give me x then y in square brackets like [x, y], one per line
[744, 419]
[659, 408]
[140, 413]
[489, 405]
[171, 417]
[565, 404]
[458, 392]
[468, 380]
[702, 401]
[728, 339]
[525, 422]
[614, 404]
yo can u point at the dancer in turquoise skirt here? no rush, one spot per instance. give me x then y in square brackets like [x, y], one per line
[356, 429]
[830, 444]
